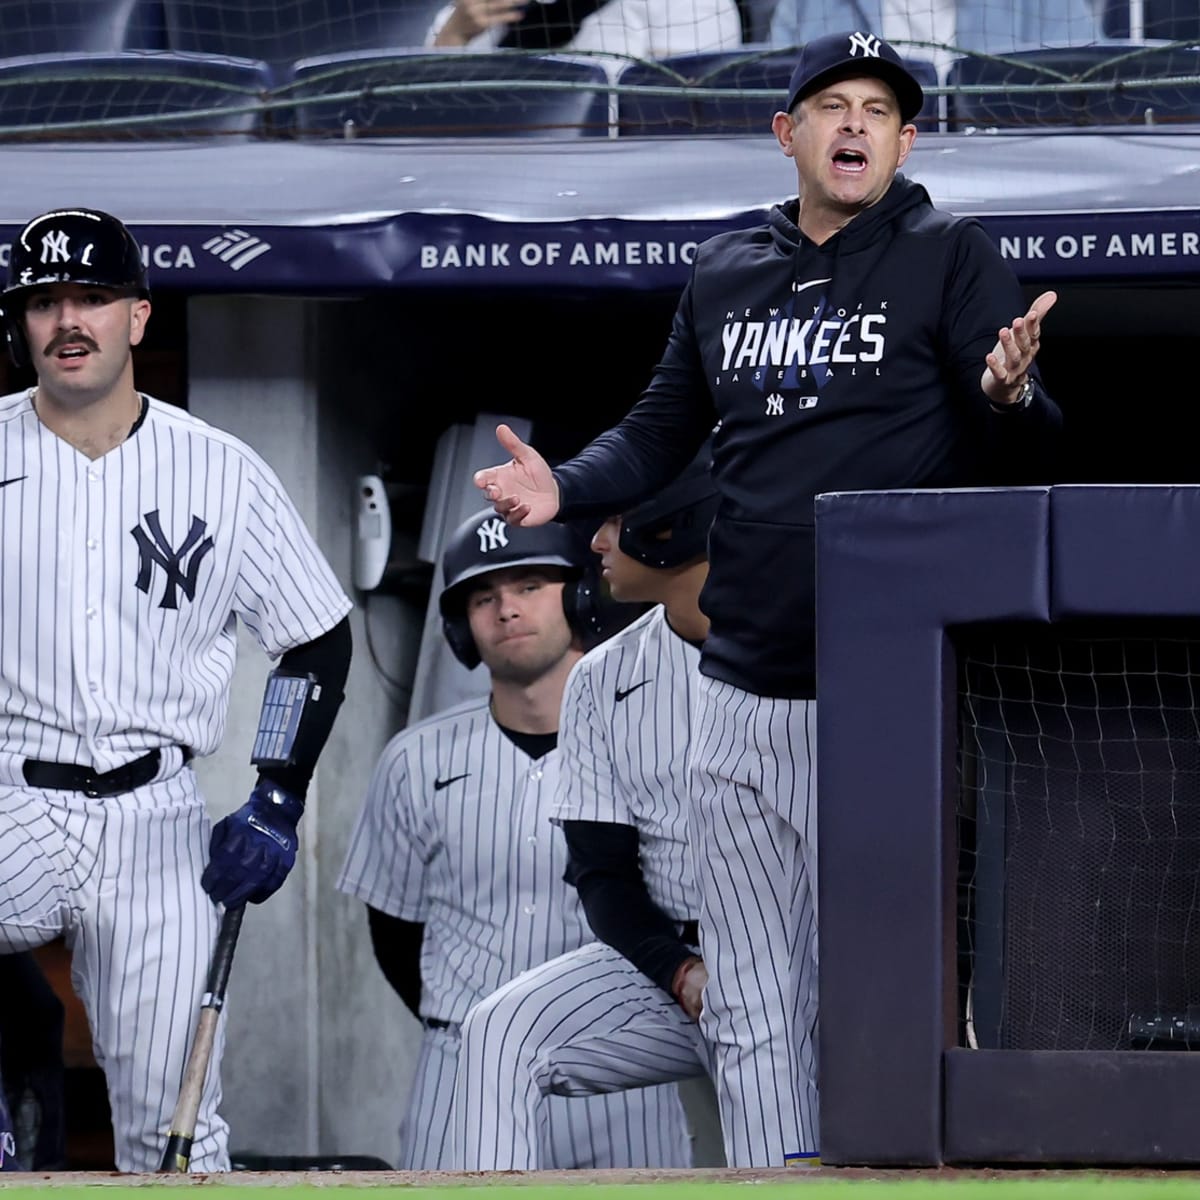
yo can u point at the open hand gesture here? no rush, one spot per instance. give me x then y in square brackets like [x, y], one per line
[521, 490]
[1009, 362]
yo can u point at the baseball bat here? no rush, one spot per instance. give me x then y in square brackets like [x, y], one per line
[178, 1153]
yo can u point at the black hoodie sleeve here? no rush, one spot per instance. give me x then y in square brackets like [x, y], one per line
[982, 296]
[654, 442]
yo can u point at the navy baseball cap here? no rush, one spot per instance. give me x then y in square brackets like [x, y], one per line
[824, 60]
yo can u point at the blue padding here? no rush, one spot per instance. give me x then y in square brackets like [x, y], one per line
[1129, 68]
[505, 99]
[45, 90]
[1125, 551]
[281, 33]
[893, 571]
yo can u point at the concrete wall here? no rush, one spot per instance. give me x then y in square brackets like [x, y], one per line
[319, 1048]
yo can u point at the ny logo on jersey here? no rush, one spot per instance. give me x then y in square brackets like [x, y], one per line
[492, 535]
[153, 547]
[865, 43]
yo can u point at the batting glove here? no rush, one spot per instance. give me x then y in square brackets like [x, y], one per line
[252, 850]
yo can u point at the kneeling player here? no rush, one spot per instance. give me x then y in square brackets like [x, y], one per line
[621, 1012]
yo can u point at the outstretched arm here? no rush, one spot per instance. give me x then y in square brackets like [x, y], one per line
[1007, 367]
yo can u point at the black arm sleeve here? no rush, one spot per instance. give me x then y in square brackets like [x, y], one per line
[1026, 444]
[397, 946]
[327, 659]
[656, 439]
[605, 870]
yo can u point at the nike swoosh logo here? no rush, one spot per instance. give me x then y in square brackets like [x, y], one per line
[800, 287]
[622, 693]
[5, 482]
[438, 784]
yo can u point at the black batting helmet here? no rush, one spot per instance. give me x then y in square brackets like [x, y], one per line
[68, 245]
[685, 509]
[485, 542]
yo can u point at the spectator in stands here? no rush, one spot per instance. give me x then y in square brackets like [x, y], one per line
[990, 26]
[634, 28]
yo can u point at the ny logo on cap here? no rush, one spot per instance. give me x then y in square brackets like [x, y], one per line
[56, 246]
[864, 43]
[492, 535]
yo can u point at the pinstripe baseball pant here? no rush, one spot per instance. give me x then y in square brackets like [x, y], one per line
[753, 793]
[585, 1023]
[645, 1128]
[119, 876]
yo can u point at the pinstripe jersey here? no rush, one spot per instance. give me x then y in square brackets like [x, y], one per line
[626, 722]
[455, 833]
[123, 580]
[123, 577]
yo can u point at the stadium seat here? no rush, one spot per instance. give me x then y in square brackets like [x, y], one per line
[494, 95]
[74, 26]
[281, 33]
[1166, 20]
[760, 68]
[40, 93]
[1130, 69]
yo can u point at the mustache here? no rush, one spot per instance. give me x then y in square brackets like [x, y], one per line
[70, 339]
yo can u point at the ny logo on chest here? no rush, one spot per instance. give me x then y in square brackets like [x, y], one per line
[181, 564]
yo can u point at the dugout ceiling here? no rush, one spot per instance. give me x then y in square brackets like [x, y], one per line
[349, 217]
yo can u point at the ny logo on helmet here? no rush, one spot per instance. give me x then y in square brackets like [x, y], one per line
[492, 535]
[865, 43]
[56, 246]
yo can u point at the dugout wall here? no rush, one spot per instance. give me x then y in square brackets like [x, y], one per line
[1008, 753]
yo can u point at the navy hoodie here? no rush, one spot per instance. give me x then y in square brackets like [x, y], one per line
[850, 365]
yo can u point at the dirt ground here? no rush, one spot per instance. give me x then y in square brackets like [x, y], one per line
[370, 1179]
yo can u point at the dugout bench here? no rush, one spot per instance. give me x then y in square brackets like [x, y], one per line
[1009, 825]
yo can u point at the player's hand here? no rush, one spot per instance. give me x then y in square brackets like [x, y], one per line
[473, 17]
[522, 490]
[688, 986]
[1014, 352]
[252, 850]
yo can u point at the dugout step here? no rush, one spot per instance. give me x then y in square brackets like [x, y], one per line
[308, 1162]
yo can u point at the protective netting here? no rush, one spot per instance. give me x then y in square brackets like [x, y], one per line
[1079, 832]
[309, 68]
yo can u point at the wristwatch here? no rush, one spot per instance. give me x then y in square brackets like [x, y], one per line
[1023, 400]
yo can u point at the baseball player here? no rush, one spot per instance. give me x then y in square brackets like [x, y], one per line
[134, 537]
[859, 338]
[619, 1012]
[455, 850]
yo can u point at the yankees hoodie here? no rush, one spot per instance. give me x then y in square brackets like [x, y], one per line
[850, 365]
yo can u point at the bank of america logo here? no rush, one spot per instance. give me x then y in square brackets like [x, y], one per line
[236, 247]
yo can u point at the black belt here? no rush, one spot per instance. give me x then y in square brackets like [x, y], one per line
[435, 1023]
[689, 932]
[69, 777]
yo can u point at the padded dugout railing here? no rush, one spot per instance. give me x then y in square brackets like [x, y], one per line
[903, 581]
